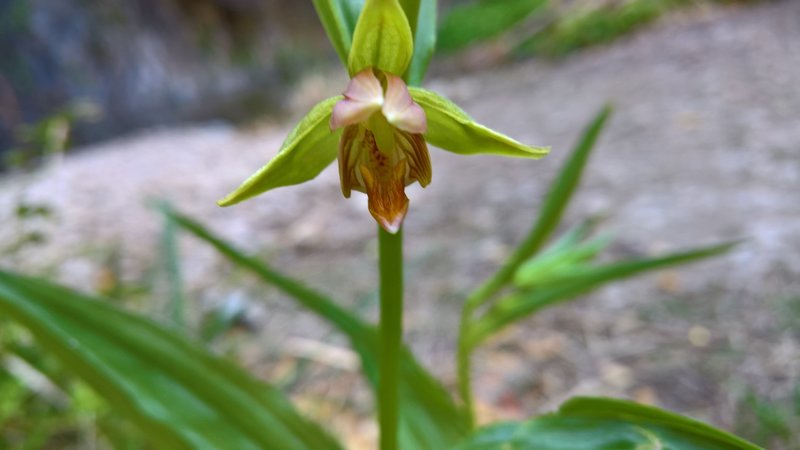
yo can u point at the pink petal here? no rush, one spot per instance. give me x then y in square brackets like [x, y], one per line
[399, 108]
[365, 87]
[362, 98]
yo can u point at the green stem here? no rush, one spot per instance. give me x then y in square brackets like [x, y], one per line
[463, 365]
[390, 253]
[532, 242]
[177, 300]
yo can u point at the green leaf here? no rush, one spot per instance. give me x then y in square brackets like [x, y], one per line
[351, 10]
[424, 30]
[451, 129]
[382, 39]
[309, 148]
[581, 280]
[335, 18]
[559, 262]
[773, 422]
[179, 394]
[481, 20]
[550, 213]
[170, 257]
[599, 423]
[428, 416]
[564, 186]
[796, 400]
[586, 26]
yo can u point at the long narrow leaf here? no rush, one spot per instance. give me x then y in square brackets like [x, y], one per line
[336, 18]
[351, 10]
[564, 185]
[481, 20]
[170, 256]
[522, 304]
[424, 42]
[601, 423]
[429, 418]
[551, 211]
[559, 264]
[179, 394]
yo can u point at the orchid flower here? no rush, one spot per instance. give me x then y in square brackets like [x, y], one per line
[380, 124]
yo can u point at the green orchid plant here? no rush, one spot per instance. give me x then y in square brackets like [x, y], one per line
[183, 396]
[381, 126]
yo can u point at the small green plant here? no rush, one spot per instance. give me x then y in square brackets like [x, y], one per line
[585, 27]
[181, 396]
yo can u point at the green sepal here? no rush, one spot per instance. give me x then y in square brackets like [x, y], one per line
[308, 149]
[451, 129]
[382, 39]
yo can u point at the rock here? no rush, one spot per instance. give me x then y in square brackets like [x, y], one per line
[150, 62]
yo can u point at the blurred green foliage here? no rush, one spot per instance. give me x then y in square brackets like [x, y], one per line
[48, 137]
[771, 423]
[43, 407]
[583, 27]
[547, 27]
[481, 20]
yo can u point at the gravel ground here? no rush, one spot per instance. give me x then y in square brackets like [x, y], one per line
[703, 148]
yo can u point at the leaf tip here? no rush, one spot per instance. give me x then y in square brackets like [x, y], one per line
[539, 152]
[229, 200]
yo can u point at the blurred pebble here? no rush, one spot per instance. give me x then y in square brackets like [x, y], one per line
[699, 336]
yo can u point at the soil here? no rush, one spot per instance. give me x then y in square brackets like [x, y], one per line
[704, 147]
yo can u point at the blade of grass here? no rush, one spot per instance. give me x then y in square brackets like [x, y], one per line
[522, 304]
[424, 42]
[550, 213]
[336, 17]
[481, 20]
[170, 257]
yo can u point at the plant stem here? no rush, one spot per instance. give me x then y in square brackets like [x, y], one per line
[390, 255]
[463, 365]
[533, 241]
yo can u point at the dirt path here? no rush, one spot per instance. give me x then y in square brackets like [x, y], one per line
[704, 147]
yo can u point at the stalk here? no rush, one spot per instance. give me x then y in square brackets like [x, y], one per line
[463, 365]
[390, 255]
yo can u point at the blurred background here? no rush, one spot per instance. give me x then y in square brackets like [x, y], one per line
[108, 105]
